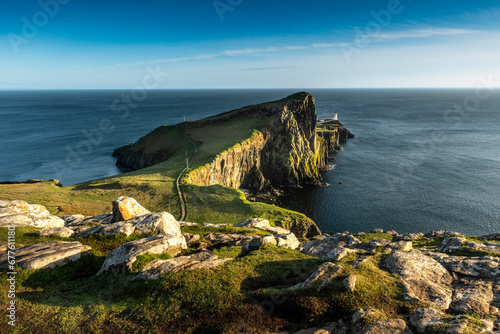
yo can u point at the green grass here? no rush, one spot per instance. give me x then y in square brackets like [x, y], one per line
[425, 243]
[374, 236]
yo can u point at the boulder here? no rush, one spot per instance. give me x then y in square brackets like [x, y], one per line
[254, 223]
[425, 317]
[288, 240]
[202, 260]
[38, 220]
[339, 253]
[450, 245]
[63, 232]
[423, 278]
[472, 296]
[228, 239]
[332, 247]
[122, 258]
[160, 222]
[256, 243]
[262, 224]
[401, 246]
[8, 208]
[46, 254]
[125, 208]
[350, 282]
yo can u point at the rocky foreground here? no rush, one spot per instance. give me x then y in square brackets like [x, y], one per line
[450, 277]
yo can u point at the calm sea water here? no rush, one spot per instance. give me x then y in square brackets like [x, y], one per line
[416, 164]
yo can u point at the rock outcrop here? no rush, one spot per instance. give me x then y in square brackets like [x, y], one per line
[423, 278]
[202, 260]
[122, 258]
[46, 255]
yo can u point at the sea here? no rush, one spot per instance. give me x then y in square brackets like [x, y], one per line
[422, 159]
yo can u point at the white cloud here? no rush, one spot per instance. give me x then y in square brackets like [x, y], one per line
[424, 33]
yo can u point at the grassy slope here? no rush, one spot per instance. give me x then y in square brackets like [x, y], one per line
[154, 187]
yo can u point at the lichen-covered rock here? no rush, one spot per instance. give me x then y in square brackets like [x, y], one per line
[122, 258]
[256, 243]
[339, 253]
[202, 260]
[38, 220]
[262, 224]
[8, 208]
[288, 240]
[125, 208]
[123, 228]
[450, 245]
[425, 317]
[228, 239]
[350, 282]
[46, 254]
[330, 247]
[401, 246]
[484, 246]
[423, 278]
[63, 232]
[481, 267]
[472, 296]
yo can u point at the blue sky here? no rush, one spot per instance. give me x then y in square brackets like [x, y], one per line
[88, 44]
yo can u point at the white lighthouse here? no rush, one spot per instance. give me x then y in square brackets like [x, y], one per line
[336, 117]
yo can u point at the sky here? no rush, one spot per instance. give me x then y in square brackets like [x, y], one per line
[207, 44]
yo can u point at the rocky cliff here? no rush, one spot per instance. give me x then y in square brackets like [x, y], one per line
[286, 153]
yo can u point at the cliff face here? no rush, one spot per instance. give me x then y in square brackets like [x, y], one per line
[287, 153]
[333, 134]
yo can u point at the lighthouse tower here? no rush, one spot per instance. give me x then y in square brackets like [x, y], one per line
[336, 117]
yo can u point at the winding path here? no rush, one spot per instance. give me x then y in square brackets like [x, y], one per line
[179, 178]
